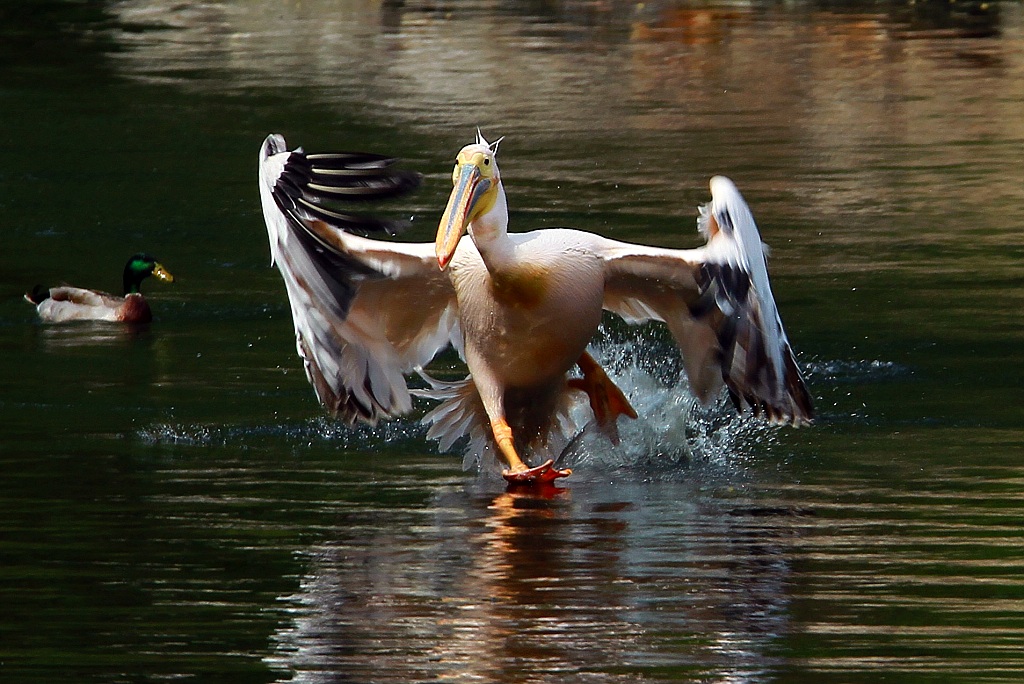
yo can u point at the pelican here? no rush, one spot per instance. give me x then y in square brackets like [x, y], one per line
[520, 308]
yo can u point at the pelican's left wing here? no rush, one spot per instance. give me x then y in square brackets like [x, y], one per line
[718, 304]
[365, 311]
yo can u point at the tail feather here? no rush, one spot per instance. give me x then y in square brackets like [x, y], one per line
[461, 414]
[38, 295]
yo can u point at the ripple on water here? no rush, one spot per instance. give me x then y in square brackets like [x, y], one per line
[847, 371]
[673, 430]
[305, 433]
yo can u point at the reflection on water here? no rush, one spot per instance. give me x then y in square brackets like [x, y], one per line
[588, 583]
[93, 334]
[830, 120]
[920, 583]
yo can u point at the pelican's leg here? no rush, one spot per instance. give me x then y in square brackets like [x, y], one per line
[503, 438]
[606, 400]
[492, 394]
[519, 473]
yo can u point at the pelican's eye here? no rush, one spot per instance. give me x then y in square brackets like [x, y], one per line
[487, 161]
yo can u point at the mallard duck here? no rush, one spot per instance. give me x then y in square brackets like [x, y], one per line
[66, 303]
[520, 308]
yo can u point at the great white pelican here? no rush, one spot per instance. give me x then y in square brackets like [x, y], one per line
[520, 308]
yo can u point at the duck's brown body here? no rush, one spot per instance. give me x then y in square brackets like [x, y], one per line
[67, 304]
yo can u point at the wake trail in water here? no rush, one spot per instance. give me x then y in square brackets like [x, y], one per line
[308, 434]
[673, 429]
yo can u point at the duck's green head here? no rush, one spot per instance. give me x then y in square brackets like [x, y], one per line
[139, 267]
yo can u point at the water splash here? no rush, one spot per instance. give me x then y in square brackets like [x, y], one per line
[304, 434]
[834, 380]
[673, 433]
[854, 371]
[673, 429]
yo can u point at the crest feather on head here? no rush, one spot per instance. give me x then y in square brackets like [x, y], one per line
[480, 140]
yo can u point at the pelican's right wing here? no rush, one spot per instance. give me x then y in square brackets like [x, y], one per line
[365, 311]
[718, 304]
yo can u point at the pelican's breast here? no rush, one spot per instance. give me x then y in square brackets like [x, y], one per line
[526, 287]
[531, 320]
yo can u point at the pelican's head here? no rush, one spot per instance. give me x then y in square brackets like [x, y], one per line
[476, 182]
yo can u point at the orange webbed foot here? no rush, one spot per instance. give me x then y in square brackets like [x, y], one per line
[544, 474]
[606, 399]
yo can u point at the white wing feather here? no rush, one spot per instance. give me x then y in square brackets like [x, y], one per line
[718, 304]
[365, 311]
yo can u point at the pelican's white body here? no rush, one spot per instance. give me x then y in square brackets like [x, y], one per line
[522, 307]
[536, 330]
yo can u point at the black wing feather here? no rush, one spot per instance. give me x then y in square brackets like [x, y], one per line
[303, 191]
[309, 182]
[729, 288]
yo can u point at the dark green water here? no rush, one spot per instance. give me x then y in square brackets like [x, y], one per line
[174, 506]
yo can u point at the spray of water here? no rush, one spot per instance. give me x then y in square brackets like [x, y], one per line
[673, 433]
[673, 429]
[306, 434]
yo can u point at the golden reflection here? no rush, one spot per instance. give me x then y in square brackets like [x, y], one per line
[527, 580]
[516, 585]
[833, 114]
[688, 26]
[522, 546]
[90, 334]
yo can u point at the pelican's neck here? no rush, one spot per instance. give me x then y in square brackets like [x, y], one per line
[490, 234]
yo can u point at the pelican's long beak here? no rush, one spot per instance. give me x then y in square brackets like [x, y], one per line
[463, 206]
[162, 273]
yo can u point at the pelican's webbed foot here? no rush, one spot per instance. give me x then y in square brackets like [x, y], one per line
[544, 474]
[517, 473]
[606, 399]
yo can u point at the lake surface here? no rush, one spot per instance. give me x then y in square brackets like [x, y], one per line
[174, 505]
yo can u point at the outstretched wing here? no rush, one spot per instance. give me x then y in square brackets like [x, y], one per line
[365, 311]
[718, 304]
